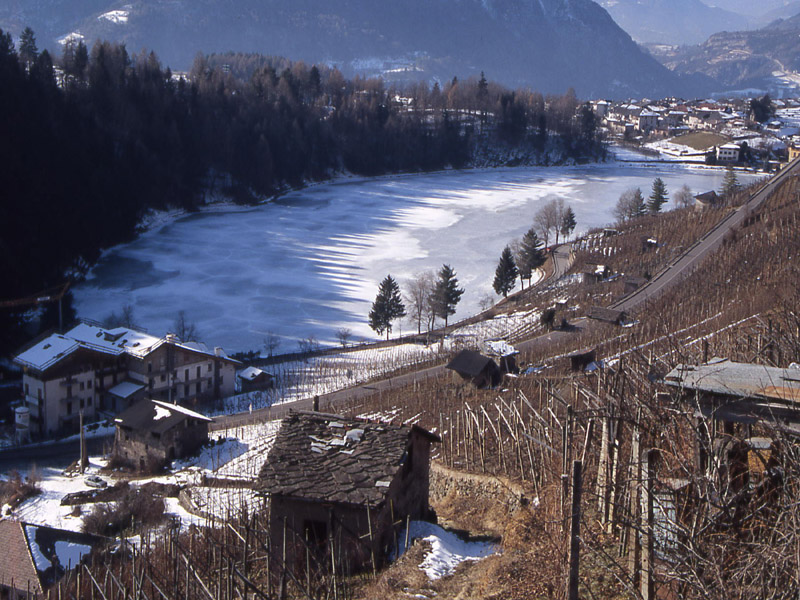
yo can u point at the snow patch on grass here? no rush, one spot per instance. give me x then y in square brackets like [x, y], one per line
[447, 550]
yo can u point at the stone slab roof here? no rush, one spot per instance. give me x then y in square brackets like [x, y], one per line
[330, 458]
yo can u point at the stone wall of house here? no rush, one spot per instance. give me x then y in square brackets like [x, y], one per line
[445, 481]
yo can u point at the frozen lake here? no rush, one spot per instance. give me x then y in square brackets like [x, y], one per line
[310, 262]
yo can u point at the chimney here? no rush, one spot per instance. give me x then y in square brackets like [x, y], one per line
[218, 351]
[172, 338]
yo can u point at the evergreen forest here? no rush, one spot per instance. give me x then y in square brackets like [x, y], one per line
[92, 139]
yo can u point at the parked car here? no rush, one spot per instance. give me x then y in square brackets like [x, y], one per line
[95, 481]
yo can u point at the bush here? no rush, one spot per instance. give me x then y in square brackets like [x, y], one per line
[15, 490]
[548, 317]
[135, 507]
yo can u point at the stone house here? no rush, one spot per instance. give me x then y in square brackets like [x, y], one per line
[152, 433]
[344, 484]
[103, 371]
[37, 557]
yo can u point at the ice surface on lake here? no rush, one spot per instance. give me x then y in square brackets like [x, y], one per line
[310, 262]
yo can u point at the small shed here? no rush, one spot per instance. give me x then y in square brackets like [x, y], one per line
[594, 273]
[343, 483]
[634, 283]
[36, 557]
[152, 433]
[608, 315]
[707, 200]
[254, 379]
[476, 368]
[578, 361]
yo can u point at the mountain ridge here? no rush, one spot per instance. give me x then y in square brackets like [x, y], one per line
[548, 45]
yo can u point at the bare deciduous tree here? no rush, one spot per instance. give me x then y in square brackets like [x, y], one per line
[271, 342]
[683, 197]
[548, 219]
[186, 331]
[419, 293]
[343, 334]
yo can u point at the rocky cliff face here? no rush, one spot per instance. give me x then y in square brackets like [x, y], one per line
[549, 45]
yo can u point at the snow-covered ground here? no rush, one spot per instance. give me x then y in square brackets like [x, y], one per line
[447, 550]
[239, 454]
[310, 262]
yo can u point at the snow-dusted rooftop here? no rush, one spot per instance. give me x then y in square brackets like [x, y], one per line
[115, 342]
[125, 389]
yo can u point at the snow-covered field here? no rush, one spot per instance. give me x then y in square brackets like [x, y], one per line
[310, 262]
[238, 455]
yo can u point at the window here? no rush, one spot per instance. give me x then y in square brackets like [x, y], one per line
[27, 390]
[149, 367]
[89, 384]
[82, 403]
[198, 387]
[89, 401]
[163, 377]
[69, 408]
[209, 367]
[69, 391]
[186, 390]
[82, 386]
[198, 371]
[186, 375]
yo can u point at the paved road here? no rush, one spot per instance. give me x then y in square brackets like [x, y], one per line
[691, 258]
[562, 260]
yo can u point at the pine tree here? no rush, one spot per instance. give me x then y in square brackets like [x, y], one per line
[639, 206]
[568, 222]
[27, 47]
[531, 255]
[505, 276]
[658, 197]
[730, 183]
[446, 293]
[387, 307]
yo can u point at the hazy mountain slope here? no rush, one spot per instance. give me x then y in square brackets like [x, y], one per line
[749, 7]
[672, 21]
[549, 45]
[765, 58]
[783, 12]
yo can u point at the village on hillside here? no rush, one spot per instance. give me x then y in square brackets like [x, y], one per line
[758, 132]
